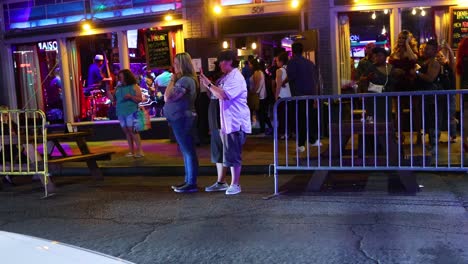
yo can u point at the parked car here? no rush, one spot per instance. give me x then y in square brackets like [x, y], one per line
[22, 249]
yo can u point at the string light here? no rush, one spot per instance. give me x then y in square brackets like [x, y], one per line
[385, 11]
[374, 16]
[413, 12]
[423, 12]
[225, 45]
[384, 31]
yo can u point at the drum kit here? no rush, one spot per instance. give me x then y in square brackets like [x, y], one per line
[97, 104]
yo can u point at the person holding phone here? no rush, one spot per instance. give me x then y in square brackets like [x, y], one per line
[234, 115]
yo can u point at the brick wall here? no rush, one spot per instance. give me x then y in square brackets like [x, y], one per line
[198, 25]
[319, 18]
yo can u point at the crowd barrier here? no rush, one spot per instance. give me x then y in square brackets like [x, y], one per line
[23, 137]
[390, 131]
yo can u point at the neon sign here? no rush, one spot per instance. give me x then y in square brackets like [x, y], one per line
[48, 45]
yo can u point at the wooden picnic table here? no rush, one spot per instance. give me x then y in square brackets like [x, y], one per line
[57, 139]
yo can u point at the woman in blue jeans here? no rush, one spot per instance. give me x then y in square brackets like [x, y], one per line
[179, 110]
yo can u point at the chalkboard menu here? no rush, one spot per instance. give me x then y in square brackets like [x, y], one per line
[158, 53]
[458, 25]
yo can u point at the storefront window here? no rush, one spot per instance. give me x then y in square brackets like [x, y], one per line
[420, 22]
[150, 54]
[38, 82]
[368, 27]
[356, 30]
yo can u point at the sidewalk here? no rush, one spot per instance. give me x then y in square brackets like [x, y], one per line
[163, 157]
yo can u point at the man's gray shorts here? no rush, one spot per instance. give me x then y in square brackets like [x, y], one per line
[232, 148]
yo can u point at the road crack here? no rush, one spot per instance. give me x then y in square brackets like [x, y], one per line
[360, 246]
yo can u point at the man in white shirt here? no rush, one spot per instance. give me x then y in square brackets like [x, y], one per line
[234, 115]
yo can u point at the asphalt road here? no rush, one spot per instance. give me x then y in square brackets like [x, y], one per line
[141, 220]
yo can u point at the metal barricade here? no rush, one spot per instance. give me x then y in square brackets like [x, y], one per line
[394, 131]
[23, 136]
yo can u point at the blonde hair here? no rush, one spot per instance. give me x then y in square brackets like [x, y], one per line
[185, 64]
[413, 43]
[186, 67]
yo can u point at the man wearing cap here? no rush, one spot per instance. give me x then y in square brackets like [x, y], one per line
[234, 117]
[95, 75]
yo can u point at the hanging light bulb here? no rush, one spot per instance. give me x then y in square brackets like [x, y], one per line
[423, 12]
[225, 45]
[374, 16]
[384, 31]
[86, 26]
[413, 12]
[254, 45]
[385, 11]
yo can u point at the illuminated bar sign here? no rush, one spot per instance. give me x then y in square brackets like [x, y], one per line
[158, 53]
[458, 25]
[48, 45]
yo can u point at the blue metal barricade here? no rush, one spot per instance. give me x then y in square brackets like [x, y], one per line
[395, 131]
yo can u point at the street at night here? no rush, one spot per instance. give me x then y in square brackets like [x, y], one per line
[141, 220]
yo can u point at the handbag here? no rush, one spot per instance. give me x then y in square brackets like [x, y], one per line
[378, 88]
[142, 120]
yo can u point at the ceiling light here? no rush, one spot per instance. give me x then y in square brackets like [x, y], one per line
[168, 17]
[86, 26]
[295, 4]
[217, 9]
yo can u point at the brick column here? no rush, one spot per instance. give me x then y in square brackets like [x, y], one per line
[195, 13]
[319, 18]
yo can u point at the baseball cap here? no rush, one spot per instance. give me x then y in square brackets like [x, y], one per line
[98, 57]
[227, 55]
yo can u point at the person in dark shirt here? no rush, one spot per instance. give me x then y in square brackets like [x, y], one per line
[302, 78]
[363, 66]
[427, 78]
[247, 72]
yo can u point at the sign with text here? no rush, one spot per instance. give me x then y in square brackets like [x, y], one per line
[48, 45]
[158, 52]
[458, 25]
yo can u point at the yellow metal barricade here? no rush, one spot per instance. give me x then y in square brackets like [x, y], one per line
[23, 149]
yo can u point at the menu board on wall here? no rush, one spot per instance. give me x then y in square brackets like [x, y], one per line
[158, 53]
[458, 25]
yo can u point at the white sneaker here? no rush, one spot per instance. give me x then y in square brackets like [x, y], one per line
[301, 149]
[217, 187]
[233, 189]
[316, 143]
